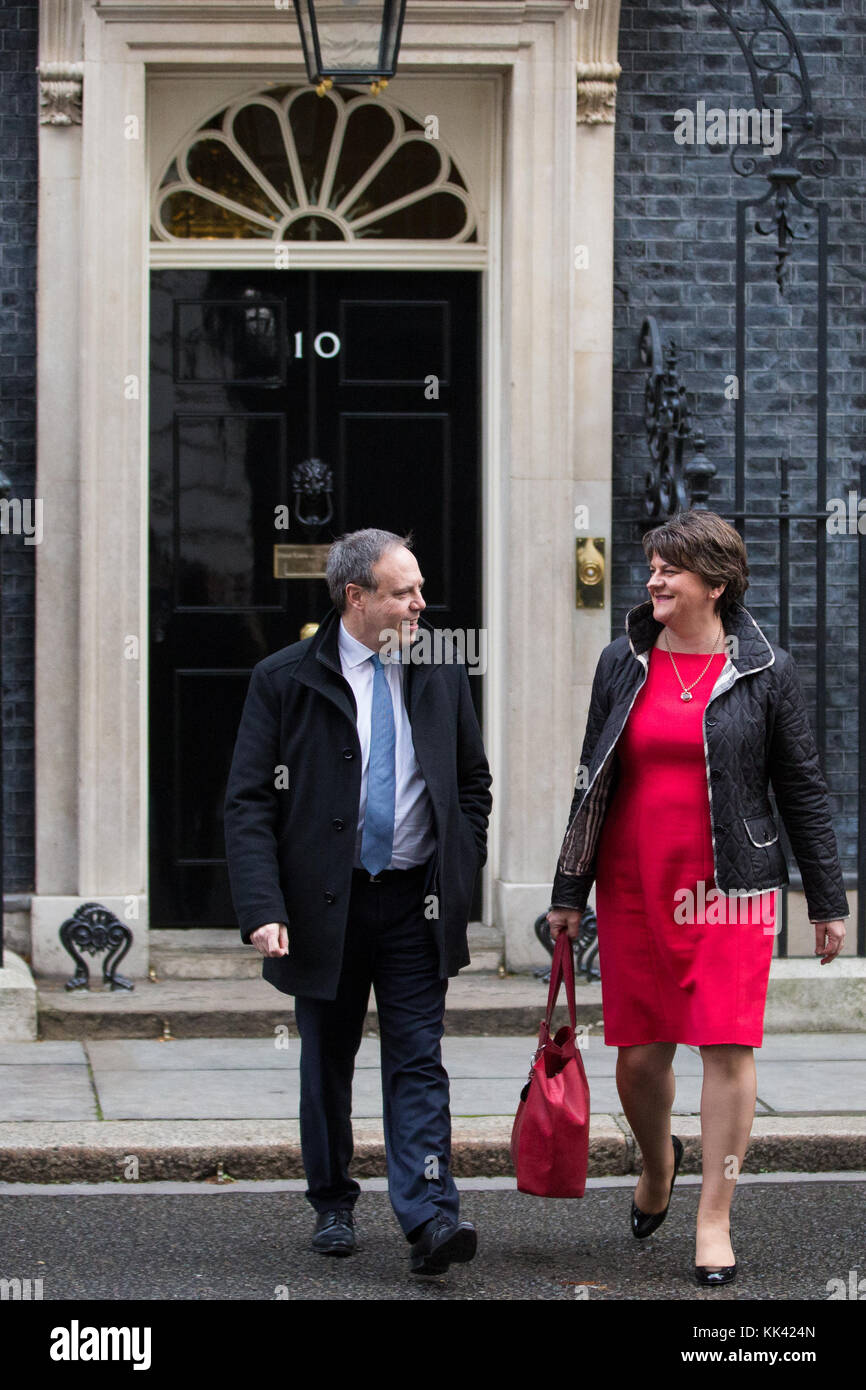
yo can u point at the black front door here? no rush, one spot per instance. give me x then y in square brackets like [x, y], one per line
[375, 374]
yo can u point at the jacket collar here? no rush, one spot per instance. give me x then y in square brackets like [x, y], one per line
[754, 652]
[320, 668]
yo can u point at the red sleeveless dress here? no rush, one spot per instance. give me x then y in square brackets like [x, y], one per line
[675, 967]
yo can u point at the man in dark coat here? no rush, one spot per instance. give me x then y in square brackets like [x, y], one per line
[355, 824]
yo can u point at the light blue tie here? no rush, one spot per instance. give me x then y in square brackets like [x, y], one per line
[377, 841]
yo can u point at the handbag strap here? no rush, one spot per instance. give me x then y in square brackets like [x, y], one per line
[562, 971]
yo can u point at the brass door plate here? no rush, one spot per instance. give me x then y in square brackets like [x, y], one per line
[300, 561]
[589, 572]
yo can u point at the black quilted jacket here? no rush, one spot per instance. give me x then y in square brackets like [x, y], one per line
[756, 732]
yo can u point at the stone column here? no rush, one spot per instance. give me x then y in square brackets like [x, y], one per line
[554, 645]
[90, 771]
[57, 461]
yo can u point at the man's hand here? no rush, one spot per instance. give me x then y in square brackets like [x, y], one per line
[272, 939]
[829, 940]
[564, 919]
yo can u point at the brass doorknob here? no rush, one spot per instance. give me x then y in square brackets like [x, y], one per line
[308, 629]
[590, 572]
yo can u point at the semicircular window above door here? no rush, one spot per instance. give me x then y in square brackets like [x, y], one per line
[289, 165]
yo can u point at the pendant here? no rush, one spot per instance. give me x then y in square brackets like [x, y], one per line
[686, 695]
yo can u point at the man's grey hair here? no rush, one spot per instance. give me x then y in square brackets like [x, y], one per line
[352, 557]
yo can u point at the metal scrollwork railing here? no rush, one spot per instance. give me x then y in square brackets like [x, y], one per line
[776, 64]
[93, 928]
[670, 484]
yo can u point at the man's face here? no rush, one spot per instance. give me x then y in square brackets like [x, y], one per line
[395, 604]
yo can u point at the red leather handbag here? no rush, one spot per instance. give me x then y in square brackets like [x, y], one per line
[550, 1136]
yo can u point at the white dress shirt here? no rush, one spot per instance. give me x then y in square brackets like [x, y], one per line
[414, 836]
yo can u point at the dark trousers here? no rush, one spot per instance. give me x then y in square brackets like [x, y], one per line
[389, 945]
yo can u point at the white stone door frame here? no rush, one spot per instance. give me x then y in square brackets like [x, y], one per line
[548, 366]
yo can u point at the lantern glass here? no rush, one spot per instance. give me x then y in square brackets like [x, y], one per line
[348, 42]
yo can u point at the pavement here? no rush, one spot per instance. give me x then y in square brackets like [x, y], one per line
[198, 1108]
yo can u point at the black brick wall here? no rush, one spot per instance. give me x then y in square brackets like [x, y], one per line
[675, 258]
[18, 197]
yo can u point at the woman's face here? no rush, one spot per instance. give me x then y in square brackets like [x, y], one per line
[677, 592]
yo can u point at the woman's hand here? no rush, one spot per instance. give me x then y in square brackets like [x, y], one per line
[829, 939]
[564, 919]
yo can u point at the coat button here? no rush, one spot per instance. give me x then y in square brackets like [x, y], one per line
[337, 824]
[330, 897]
[715, 774]
[710, 723]
[347, 753]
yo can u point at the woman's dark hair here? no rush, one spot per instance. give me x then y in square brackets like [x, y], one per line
[709, 546]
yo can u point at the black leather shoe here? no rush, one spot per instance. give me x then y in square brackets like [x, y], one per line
[644, 1223]
[712, 1276]
[334, 1233]
[441, 1243]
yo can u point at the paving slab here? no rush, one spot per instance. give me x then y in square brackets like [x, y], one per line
[138, 1079]
[190, 1095]
[223, 1093]
[197, 1078]
[21, 1054]
[825, 1087]
[39, 1092]
[198, 1054]
[812, 1047]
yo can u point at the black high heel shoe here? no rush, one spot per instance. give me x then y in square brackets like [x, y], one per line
[713, 1276]
[644, 1223]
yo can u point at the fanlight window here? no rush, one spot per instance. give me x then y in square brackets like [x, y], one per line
[288, 165]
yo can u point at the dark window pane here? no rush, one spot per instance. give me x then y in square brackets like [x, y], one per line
[369, 130]
[212, 164]
[188, 215]
[410, 168]
[229, 342]
[315, 227]
[258, 132]
[312, 120]
[438, 216]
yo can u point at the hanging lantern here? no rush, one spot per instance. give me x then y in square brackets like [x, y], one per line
[341, 47]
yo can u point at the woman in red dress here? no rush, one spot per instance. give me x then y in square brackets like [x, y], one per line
[692, 714]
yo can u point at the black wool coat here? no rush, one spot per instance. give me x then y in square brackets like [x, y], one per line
[756, 733]
[292, 801]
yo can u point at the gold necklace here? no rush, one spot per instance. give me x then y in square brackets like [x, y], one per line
[687, 688]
